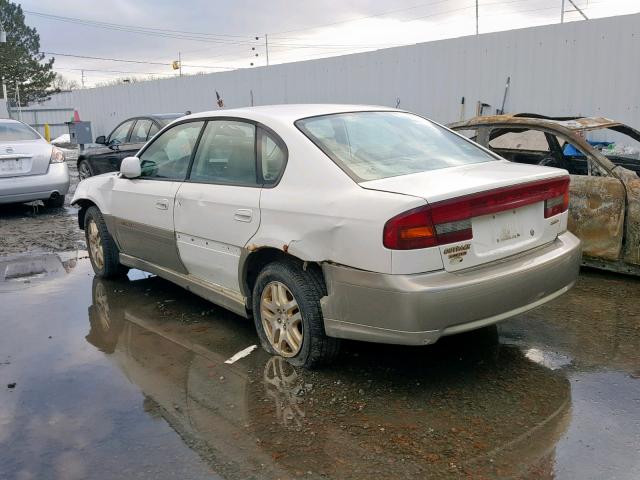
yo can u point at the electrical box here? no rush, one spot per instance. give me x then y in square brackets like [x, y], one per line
[80, 133]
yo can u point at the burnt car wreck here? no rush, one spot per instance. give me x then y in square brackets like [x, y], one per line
[603, 158]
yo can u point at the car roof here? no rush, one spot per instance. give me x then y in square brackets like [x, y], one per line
[570, 123]
[10, 120]
[167, 116]
[289, 112]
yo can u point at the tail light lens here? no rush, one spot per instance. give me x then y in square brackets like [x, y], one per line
[449, 221]
[57, 155]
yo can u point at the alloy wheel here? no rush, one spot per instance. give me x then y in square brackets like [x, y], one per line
[281, 319]
[95, 244]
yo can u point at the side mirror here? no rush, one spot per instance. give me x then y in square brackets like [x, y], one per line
[102, 140]
[130, 167]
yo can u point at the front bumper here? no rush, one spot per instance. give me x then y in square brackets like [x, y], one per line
[35, 187]
[419, 309]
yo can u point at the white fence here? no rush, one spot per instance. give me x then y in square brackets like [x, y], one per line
[588, 67]
[38, 116]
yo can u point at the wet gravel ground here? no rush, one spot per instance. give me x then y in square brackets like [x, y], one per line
[127, 379]
[25, 227]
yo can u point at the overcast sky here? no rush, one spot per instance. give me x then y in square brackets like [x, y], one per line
[222, 33]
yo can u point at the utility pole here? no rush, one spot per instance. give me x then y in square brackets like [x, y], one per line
[3, 39]
[18, 97]
[578, 10]
[477, 29]
[266, 46]
[562, 13]
[82, 77]
[180, 62]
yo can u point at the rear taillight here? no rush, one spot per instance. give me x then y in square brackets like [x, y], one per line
[554, 206]
[57, 155]
[449, 221]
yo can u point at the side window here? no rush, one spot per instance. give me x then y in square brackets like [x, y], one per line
[119, 135]
[532, 140]
[152, 131]
[140, 131]
[226, 154]
[522, 146]
[272, 158]
[169, 155]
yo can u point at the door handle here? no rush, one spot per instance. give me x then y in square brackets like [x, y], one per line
[243, 215]
[162, 204]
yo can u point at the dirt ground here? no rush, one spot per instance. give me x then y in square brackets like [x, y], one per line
[32, 227]
[129, 379]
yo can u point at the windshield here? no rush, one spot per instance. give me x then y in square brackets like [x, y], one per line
[374, 145]
[15, 132]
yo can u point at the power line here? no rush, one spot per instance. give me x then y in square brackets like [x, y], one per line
[114, 71]
[164, 64]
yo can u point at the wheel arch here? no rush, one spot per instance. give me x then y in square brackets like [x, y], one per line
[252, 263]
[84, 204]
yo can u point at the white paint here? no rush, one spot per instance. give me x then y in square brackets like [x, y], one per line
[241, 354]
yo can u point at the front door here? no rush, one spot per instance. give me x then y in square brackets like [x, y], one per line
[143, 207]
[218, 208]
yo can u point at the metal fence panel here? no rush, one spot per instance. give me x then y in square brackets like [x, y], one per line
[588, 68]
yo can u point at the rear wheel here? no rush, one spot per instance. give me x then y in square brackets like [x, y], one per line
[103, 251]
[84, 169]
[288, 316]
[56, 202]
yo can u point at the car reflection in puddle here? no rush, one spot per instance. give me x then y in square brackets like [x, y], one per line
[467, 406]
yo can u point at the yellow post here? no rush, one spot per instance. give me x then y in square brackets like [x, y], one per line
[47, 132]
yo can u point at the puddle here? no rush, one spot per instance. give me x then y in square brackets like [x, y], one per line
[134, 383]
[24, 271]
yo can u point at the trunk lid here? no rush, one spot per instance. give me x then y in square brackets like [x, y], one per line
[507, 201]
[29, 157]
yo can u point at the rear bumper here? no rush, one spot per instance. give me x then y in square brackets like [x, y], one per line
[35, 187]
[419, 309]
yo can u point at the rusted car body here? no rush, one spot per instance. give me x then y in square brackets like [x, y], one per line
[603, 158]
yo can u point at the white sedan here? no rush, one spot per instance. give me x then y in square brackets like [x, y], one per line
[30, 168]
[324, 222]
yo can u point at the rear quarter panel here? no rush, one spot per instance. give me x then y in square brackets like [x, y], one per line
[318, 213]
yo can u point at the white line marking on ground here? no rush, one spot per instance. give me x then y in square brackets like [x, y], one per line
[241, 354]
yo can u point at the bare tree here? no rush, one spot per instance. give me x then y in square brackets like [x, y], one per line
[61, 83]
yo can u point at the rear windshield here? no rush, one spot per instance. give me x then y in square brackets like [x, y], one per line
[13, 132]
[374, 145]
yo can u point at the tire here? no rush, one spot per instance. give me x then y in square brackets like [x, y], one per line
[103, 251]
[85, 170]
[305, 287]
[54, 202]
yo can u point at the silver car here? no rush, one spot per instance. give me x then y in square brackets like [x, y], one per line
[30, 167]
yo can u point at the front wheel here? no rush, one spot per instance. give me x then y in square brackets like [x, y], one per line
[103, 251]
[288, 316]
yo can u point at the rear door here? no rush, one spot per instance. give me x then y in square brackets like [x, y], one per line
[22, 151]
[218, 208]
[143, 207]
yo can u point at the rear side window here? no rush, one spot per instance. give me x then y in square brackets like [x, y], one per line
[374, 145]
[15, 132]
[152, 131]
[140, 131]
[226, 154]
[272, 158]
